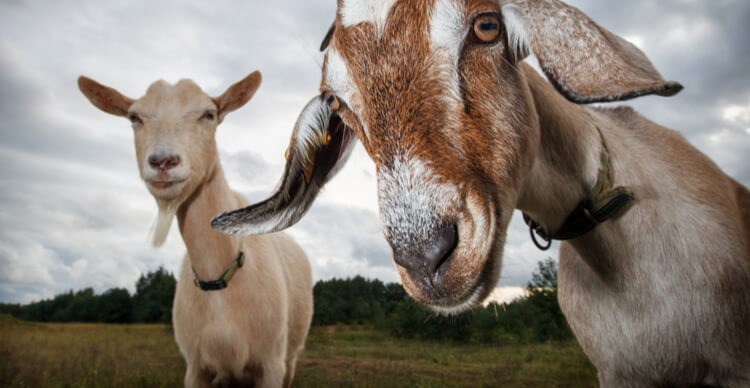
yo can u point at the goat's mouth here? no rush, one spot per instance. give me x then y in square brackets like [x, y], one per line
[164, 187]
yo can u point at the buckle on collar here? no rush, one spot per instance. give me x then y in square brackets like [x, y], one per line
[602, 203]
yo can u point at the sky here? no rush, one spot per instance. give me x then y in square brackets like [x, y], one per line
[75, 214]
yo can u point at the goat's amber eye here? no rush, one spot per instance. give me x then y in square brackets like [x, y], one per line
[208, 116]
[487, 27]
[332, 101]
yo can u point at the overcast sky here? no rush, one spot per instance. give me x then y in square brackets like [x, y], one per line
[74, 213]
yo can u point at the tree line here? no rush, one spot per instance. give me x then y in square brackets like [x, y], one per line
[151, 303]
[355, 301]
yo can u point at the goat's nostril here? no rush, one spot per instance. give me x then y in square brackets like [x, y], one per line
[164, 162]
[431, 255]
[441, 248]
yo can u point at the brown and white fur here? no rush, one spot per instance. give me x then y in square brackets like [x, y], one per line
[462, 132]
[251, 332]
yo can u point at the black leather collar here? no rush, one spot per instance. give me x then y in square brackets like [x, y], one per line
[603, 202]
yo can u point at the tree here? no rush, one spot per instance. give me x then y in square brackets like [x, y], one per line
[154, 293]
[115, 306]
[538, 317]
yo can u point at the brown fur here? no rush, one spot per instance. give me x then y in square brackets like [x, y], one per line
[640, 292]
[461, 134]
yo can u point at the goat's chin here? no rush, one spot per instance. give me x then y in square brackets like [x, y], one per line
[166, 192]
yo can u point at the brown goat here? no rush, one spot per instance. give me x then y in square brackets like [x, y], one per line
[462, 132]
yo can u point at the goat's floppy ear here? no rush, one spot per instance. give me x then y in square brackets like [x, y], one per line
[238, 94]
[584, 61]
[319, 147]
[104, 97]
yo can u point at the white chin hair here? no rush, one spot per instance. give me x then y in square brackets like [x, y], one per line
[161, 227]
[470, 302]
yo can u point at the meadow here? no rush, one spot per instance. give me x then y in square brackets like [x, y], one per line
[145, 355]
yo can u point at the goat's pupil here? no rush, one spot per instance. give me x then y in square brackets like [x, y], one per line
[489, 26]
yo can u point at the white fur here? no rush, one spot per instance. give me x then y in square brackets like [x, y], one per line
[515, 25]
[410, 199]
[354, 12]
[473, 300]
[448, 28]
[162, 224]
[253, 330]
[338, 77]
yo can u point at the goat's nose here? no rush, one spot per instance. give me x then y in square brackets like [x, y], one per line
[163, 162]
[426, 258]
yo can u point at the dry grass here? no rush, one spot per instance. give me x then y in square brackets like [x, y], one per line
[91, 355]
[355, 357]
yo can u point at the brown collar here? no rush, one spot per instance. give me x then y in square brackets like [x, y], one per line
[602, 203]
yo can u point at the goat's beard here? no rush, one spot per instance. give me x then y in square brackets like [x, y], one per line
[163, 222]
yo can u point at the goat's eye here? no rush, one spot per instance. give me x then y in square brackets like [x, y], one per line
[332, 101]
[135, 119]
[487, 27]
[208, 116]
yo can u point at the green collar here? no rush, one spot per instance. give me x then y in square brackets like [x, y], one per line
[603, 202]
[223, 281]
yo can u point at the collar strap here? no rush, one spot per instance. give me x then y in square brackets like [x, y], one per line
[223, 281]
[602, 203]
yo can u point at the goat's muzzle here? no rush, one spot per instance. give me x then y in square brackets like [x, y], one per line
[426, 260]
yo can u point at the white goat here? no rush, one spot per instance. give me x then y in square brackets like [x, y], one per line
[462, 133]
[249, 331]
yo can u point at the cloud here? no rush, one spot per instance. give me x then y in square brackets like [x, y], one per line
[74, 212]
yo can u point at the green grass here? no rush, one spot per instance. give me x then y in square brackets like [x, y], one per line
[94, 355]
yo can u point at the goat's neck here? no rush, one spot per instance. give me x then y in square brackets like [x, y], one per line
[210, 252]
[567, 159]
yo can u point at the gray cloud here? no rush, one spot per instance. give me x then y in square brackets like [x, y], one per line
[74, 213]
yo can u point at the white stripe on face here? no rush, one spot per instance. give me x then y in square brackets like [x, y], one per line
[339, 78]
[354, 12]
[447, 28]
[340, 81]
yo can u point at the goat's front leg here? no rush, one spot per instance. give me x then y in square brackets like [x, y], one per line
[273, 375]
[196, 377]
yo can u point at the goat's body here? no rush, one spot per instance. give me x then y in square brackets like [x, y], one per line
[462, 133]
[251, 332]
[660, 295]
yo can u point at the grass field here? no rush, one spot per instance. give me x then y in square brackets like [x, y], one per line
[92, 355]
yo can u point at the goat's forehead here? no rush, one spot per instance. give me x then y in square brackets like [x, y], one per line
[185, 93]
[391, 30]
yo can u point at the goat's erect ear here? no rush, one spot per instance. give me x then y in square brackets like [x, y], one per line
[104, 97]
[319, 147]
[238, 94]
[327, 39]
[584, 61]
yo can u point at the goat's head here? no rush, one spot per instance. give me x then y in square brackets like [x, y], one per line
[433, 90]
[174, 127]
